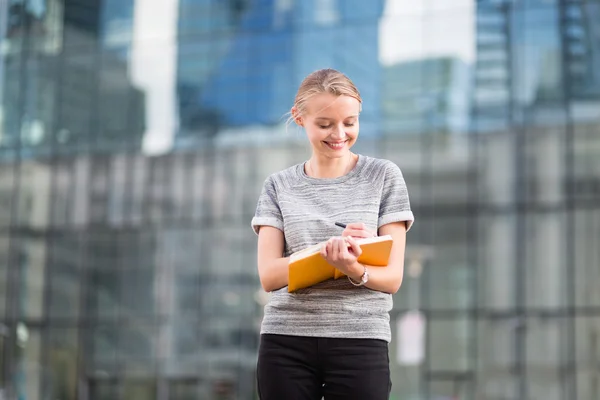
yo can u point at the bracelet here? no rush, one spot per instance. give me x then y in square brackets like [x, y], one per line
[364, 278]
[354, 283]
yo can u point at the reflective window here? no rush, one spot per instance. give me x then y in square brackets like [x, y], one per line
[135, 138]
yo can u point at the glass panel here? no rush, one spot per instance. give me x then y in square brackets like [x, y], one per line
[183, 390]
[497, 279]
[103, 291]
[137, 189]
[4, 260]
[138, 290]
[4, 343]
[496, 378]
[202, 186]
[29, 371]
[406, 379]
[13, 30]
[35, 194]
[121, 106]
[587, 257]
[63, 185]
[32, 274]
[66, 276]
[7, 183]
[104, 390]
[104, 286]
[587, 334]
[137, 344]
[583, 49]
[586, 154]
[537, 43]
[117, 190]
[448, 273]
[102, 342]
[185, 250]
[586, 191]
[77, 110]
[497, 170]
[450, 344]
[81, 24]
[546, 344]
[544, 169]
[544, 262]
[455, 389]
[117, 24]
[12, 98]
[62, 364]
[448, 48]
[186, 344]
[39, 103]
[139, 390]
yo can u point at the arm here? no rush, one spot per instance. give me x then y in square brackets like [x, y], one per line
[272, 268]
[268, 225]
[383, 279]
[386, 279]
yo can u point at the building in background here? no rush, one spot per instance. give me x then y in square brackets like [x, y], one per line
[428, 94]
[125, 275]
[64, 94]
[248, 76]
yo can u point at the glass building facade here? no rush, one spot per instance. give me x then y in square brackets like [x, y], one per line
[135, 137]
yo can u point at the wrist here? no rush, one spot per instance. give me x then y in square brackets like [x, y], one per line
[357, 271]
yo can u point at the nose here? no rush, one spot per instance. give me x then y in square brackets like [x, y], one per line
[339, 133]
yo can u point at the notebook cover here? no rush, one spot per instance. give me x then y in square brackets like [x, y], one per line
[308, 267]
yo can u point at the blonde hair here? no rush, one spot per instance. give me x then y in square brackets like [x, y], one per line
[323, 81]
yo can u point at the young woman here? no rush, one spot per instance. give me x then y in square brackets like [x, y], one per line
[329, 340]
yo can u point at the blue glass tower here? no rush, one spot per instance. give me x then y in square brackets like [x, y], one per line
[271, 45]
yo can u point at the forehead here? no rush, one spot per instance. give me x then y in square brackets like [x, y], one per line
[327, 105]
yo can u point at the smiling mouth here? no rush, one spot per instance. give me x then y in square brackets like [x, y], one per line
[336, 145]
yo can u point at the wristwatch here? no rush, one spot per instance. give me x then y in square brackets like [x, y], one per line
[363, 279]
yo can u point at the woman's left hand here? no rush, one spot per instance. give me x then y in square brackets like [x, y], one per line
[337, 253]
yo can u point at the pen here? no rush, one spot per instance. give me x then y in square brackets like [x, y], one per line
[341, 225]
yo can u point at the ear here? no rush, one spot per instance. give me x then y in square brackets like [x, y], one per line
[297, 117]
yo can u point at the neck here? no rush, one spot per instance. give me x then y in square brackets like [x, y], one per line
[321, 167]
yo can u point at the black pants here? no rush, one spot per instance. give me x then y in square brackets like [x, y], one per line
[307, 368]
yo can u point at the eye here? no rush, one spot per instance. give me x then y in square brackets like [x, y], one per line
[324, 126]
[349, 124]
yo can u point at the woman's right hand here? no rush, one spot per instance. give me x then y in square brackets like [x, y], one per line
[357, 230]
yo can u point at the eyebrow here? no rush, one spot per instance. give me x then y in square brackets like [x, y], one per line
[330, 119]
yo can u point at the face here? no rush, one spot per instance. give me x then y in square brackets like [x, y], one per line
[331, 124]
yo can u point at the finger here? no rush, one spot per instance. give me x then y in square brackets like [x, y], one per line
[356, 225]
[356, 250]
[337, 248]
[360, 233]
[324, 250]
[343, 247]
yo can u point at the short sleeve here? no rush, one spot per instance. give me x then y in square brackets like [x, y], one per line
[267, 209]
[395, 203]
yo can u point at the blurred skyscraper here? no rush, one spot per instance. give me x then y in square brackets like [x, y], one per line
[135, 137]
[250, 73]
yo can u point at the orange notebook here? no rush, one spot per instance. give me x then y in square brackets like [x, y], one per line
[308, 267]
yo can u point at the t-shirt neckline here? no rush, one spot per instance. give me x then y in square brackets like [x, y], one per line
[324, 181]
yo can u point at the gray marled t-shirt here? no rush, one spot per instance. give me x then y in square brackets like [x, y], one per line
[305, 209]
